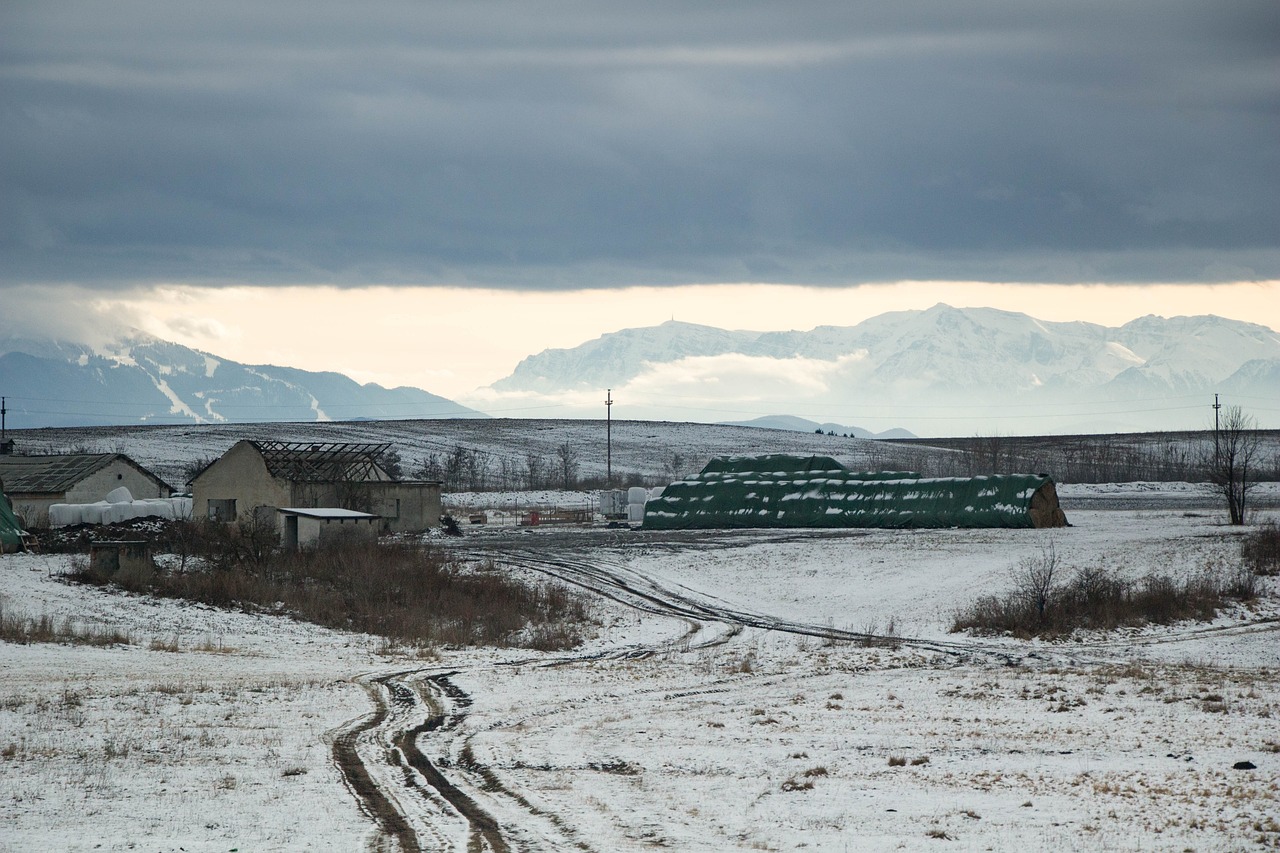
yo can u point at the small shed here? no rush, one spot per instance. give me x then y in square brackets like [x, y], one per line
[35, 483]
[108, 558]
[319, 527]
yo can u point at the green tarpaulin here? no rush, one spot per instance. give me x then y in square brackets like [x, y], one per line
[10, 530]
[817, 491]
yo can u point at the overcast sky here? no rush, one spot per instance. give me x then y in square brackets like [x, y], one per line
[493, 178]
[555, 145]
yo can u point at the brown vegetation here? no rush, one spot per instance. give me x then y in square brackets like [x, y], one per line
[413, 595]
[15, 628]
[1261, 550]
[1045, 604]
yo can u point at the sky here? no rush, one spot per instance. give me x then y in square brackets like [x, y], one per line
[425, 193]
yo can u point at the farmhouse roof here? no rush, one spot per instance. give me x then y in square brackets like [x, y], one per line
[47, 475]
[310, 462]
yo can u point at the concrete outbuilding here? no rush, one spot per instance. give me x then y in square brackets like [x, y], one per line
[35, 483]
[255, 478]
[320, 527]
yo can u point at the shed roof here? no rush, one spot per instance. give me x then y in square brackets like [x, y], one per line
[327, 513]
[45, 475]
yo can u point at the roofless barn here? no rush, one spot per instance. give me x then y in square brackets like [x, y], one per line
[257, 478]
[817, 491]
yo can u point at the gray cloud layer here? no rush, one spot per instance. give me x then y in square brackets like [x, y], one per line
[545, 144]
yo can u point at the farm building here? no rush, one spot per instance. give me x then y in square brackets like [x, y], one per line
[254, 476]
[322, 526]
[817, 491]
[35, 483]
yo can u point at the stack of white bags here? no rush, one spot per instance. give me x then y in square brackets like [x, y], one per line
[119, 505]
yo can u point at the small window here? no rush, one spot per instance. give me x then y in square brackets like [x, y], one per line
[222, 509]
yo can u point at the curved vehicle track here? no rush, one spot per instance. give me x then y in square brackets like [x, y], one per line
[444, 800]
[618, 583]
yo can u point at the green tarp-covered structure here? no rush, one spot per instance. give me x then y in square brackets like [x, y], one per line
[10, 530]
[817, 491]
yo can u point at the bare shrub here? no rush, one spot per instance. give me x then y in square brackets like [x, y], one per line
[897, 761]
[1261, 550]
[1093, 598]
[1034, 579]
[409, 594]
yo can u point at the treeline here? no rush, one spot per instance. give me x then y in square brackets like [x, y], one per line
[468, 469]
[1167, 457]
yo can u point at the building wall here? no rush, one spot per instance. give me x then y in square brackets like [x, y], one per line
[323, 532]
[406, 506]
[345, 495]
[240, 475]
[113, 475]
[33, 510]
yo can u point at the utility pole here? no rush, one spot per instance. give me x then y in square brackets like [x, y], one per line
[1216, 452]
[4, 447]
[608, 432]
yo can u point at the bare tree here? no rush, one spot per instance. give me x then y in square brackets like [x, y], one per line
[534, 467]
[391, 462]
[1035, 579]
[508, 473]
[431, 468]
[673, 468]
[1231, 460]
[567, 457]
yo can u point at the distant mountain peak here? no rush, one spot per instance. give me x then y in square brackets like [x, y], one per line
[973, 359]
[139, 378]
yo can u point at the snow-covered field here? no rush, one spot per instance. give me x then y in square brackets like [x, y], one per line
[214, 730]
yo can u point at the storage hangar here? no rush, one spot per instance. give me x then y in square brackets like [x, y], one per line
[817, 491]
[35, 483]
[258, 477]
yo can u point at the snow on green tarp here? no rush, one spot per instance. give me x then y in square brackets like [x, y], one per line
[782, 491]
[10, 530]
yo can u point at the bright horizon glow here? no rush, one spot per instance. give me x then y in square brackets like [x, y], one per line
[453, 341]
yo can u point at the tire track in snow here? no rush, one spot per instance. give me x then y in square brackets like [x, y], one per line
[628, 587]
[408, 796]
[391, 823]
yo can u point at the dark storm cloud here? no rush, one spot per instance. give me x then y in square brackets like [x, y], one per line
[581, 144]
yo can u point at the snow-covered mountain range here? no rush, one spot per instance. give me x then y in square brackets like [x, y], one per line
[904, 368]
[141, 379]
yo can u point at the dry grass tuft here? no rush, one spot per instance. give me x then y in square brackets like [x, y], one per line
[15, 628]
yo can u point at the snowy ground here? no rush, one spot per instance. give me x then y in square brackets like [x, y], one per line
[688, 732]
